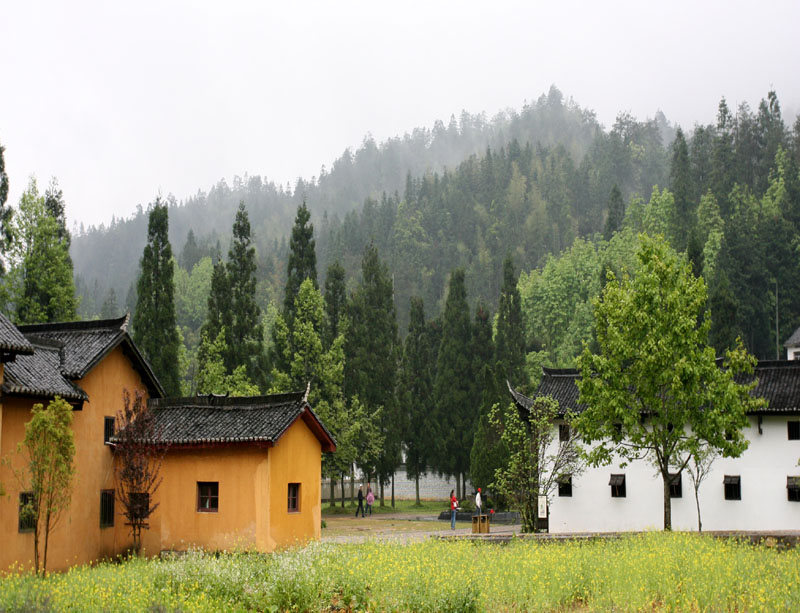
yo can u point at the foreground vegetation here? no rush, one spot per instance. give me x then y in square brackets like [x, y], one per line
[654, 571]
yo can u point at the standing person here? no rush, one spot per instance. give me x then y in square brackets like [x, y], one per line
[370, 499]
[478, 501]
[453, 508]
[360, 502]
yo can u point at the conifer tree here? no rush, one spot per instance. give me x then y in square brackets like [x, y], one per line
[302, 259]
[453, 387]
[246, 345]
[372, 353]
[154, 328]
[415, 394]
[616, 213]
[510, 338]
[680, 176]
[42, 284]
[335, 300]
[5, 212]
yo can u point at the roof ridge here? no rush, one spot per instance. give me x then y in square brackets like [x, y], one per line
[215, 401]
[118, 323]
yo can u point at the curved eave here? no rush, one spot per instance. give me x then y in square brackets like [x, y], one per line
[18, 390]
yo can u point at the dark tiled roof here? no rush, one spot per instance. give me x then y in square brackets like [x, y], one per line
[223, 420]
[87, 342]
[11, 340]
[39, 374]
[778, 383]
[793, 340]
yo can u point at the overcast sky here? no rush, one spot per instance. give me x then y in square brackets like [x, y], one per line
[122, 100]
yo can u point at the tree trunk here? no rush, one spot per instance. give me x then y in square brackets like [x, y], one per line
[697, 502]
[36, 547]
[380, 478]
[458, 489]
[417, 480]
[342, 481]
[352, 485]
[46, 540]
[333, 493]
[667, 503]
[393, 489]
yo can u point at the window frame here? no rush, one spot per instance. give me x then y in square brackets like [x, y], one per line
[107, 420]
[619, 489]
[733, 487]
[565, 487]
[793, 488]
[25, 498]
[793, 430]
[208, 496]
[675, 485]
[293, 498]
[106, 507]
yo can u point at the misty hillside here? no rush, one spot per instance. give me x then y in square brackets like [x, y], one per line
[106, 258]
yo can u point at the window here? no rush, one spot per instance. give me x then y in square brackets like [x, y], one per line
[27, 508]
[140, 505]
[733, 487]
[675, 486]
[617, 483]
[108, 429]
[563, 433]
[208, 496]
[294, 498]
[794, 430]
[106, 508]
[793, 489]
[618, 429]
[565, 486]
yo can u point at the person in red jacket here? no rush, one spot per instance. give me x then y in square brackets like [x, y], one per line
[453, 509]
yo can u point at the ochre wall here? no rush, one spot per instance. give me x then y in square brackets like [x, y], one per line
[238, 470]
[295, 458]
[78, 537]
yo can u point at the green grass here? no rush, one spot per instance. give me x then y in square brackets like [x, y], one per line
[427, 507]
[649, 572]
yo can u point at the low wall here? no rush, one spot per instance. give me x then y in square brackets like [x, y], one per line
[431, 487]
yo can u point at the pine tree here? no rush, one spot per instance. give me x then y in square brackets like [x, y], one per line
[616, 213]
[510, 338]
[5, 212]
[680, 175]
[246, 345]
[110, 308]
[453, 387]
[191, 253]
[372, 353]
[154, 328]
[335, 301]
[42, 283]
[415, 394]
[302, 259]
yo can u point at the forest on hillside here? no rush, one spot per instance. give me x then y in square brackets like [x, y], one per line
[407, 312]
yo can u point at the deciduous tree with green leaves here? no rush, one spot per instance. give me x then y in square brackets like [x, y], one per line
[536, 463]
[654, 389]
[49, 451]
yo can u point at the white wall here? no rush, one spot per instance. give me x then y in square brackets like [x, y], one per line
[763, 468]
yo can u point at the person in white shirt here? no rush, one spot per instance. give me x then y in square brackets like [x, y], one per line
[478, 501]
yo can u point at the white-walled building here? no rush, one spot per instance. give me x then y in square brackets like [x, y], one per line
[760, 490]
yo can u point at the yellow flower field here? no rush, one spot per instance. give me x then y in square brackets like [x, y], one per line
[654, 571]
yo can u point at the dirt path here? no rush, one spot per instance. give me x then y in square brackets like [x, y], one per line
[398, 527]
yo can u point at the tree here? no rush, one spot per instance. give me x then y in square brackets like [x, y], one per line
[372, 352]
[302, 259]
[49, 448]
[246, 342]
[415, 391]
[680, 176]
[616, 213]
[484, 393]
[41, 281]
[453, 387]
[335, 301]
[212, 377]
[110, 308]
[535, 464]
[154, 327]
[699, 467]
[138, 454]
[509, 345]
[653, 389]
[6, 213]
